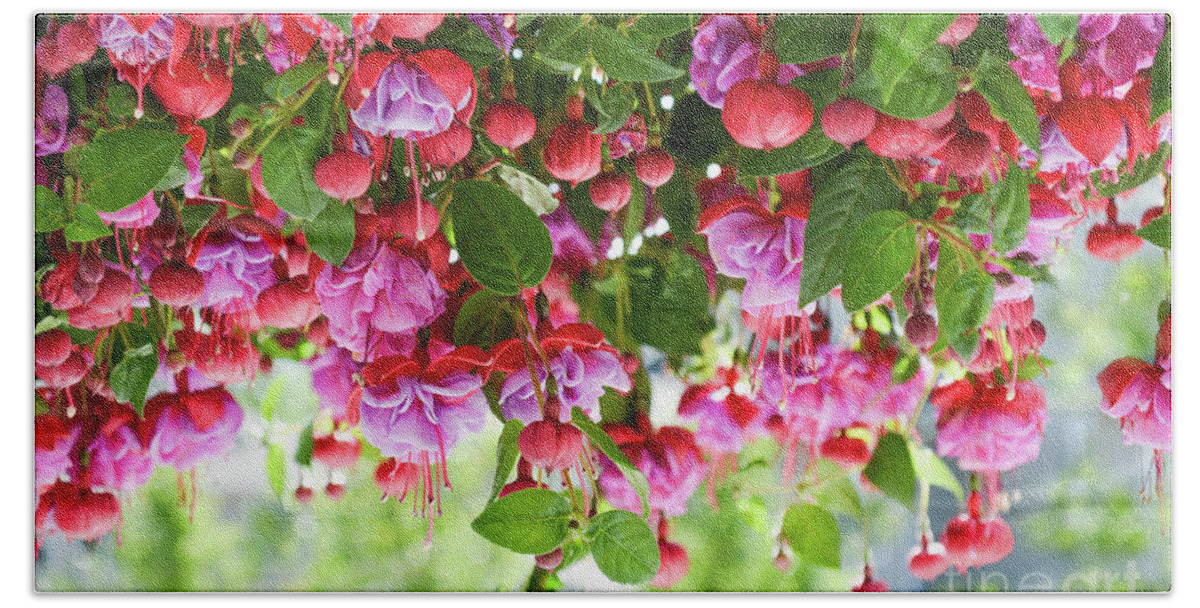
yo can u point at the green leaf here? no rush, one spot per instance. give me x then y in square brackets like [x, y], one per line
[601, 440]
[1010, 211]
[1160, 78]
[1009, 99]
[130, 379]
[466, 39]
[506, 454]
[623, 59]
[49, 212]
[48, 323]
[483, 320]
[695, 134]
[1144, 170]
[1158, 231]
[573, 550]
[974, 214]
[679, 205]
[879, 254]
[625, 548]
[563, 42]
[294, 79]
[932, 469]
[342, 20]
[891, 469]
[287, 172]
[331, 233]
[990, 36]
[121, 167]
[195, 217]
[176, 176]
[812, 149]
[87, 226]
[839, 495]
[813, 534]
[1058, 27]
[812, 37]
[925, 88]
[272, 398]
[846, 192]
[276, 468]
[904, 53]
[652, 27]
[532, 521]
[615, 107]
[304, 450]
[963, 306]
[501, 241]
[671, 303]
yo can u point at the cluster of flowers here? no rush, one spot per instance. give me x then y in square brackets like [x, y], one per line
[386, 367]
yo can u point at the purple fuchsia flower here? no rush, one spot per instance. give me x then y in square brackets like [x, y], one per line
[191, 427]
[1052, 218]
[985, 427]
[1037, 60]
[583, 365]
[727, 417]
[725, 53]
[50, 122]
[377, 290]
[668, 457]
[749, 242]
[1119, 45]
[52, 443]
[137, 215]
[135, 44]
[333, 380]
[410, 96]
[235, 258]
[882, 399]
[118, 459]
[574, 251]
[500, 27]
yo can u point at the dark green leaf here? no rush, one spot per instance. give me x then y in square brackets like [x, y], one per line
[131, 377]
[671, 303]
[1009, 99]
[331, 233]
[622, 59]
[343, 21]
[287, 172]
[1058, 27]
[87, 226]
[483, 320]
[652, 27]
[506, 454]
[1010, 211]
[695, 134]
[176, 176]
[879, 253]
[812, 149]
[1158, 231]
[1160, 78]
[531, 521]
[963, 306]
[932, 469]
[466, 39]
[891, 469]
[304, 450]
[625, 548]
[615, 107]
[813, 534]
[846, 192]
[990, 36]
[121, 167]
[601, 440]
[563, 41]
[295, 79]
[49, 213]
[196, 216]
[812, 37]
[502, 242]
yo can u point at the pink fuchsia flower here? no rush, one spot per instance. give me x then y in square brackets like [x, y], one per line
[410, 410]
[668, 457]
[235, 257]
[135, 45]
[727, 418]
[749, 242]
[629, 139]
[985, 427]
[410, 96]
[1051, 220]
[118, 459]
[724, 53]
[52, 443]
[815, 398]
[77, 510]
[50, 122]
[333, 380]
[377, 290]
[1037, 60]
[1119, 46]
[882, 399]
[1139, 394]
[974, 540]
[191, 427]
[583, 365]
[137, 215]
[500, 27]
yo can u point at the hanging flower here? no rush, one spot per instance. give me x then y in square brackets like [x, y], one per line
[985, 427]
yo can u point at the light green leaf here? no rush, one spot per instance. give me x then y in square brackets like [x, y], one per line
[879, 254]
[87, 226]
[813, 534]
[891, 469]
[625, 548]
[49, 212]
[532, 521]
[506, 454]
[130, 379]
[1009, 99]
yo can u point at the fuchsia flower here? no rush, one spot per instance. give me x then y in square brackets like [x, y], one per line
[377, 290]
[410, 96]
[118, 459]
[1119, 45]
[1037, 60]
[668, 457]
[726, 417]
[749, 242]
[500, 27]
[137, 215]
[333, 380]
[987, 427]
[135, 44]
[191, 427]
[235, 258]
[812, 403]
[52, 443]
[583, 365]
[724, 53]
[574, 250]
[50, 122]
[1139, 394]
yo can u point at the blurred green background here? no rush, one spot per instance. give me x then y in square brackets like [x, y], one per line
[1078, 513]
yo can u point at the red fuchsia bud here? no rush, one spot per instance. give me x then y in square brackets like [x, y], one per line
[846, 451]
[65, 374]
[176, 284]
[994, 541]
[1151, 214]
[82, 514]
[51, 348]
[304, 495]
[517, 486]
[654, 167]
[550, 561]
[335, 491]
[448, 147]
[959, 540]
[611, 191]
[1112, 241]
[336, 453]
[921, 329]
[288, 305]
[79, 135]
[899, 139]
[765, 115]
[928, 561]
[1091, 126]
[550, 445]
[870, 584]
[509, 124]
[967, 154]
[672, 566]
[410, 226]
[413, 26]
[318, 333]
[193, 89]
[240, 128]
[847, 121]
[572, 152]
[1162, 341]
[343, 175]
[72, 44]
[958, 31]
